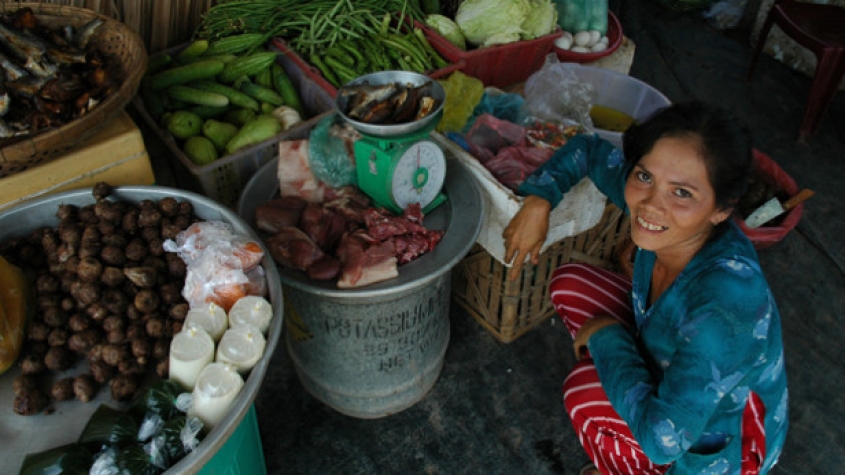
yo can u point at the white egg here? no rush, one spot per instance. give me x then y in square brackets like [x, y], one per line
[595, 36]
[580, 49]
[604, 40]
[582, 38]
[598, 47]
[564, 41]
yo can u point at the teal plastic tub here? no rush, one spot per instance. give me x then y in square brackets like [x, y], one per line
[242, 454]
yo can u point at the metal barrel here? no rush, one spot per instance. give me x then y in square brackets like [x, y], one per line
[374, 357]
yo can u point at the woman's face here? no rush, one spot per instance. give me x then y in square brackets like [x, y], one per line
[673, 205]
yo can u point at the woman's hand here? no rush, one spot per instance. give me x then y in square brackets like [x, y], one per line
[526, 233]
[589, 327]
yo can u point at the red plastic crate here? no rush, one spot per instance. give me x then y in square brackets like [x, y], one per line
[498, 65]
[316, 76]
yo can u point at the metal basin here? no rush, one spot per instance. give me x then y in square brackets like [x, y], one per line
[390, 77]
[41, 432]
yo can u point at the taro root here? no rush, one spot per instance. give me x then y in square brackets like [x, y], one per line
[155, 327]
[163, 369]
[94, 354]
[141, 348]
[176, 267]
[157, 247]
[45, 301]
[23, 383]
[170, 231]
[179, 311]
[91, 236]
[115, 301]
[70, 234]
[169, 206]
[87, 216]
[123, 386]
[113, 354]
[59, 358]
[101, 190]
[146, 301]
[33, 363]
[113, 322]
[58, 337]
[30, 402]
[70, 267]
[97, 311]
[54, 317]
[85, 387]
[50, 241]
[150, 233]
[82, 342]
[78, 322]
[102, 372]
[161, 348]
[143, 277]
[62, 389]
[67, 212]
[150, 216]
[115, 239]
[116, 336]
[38, 331]
[182, 221]
[113, 256]
[68, 304]
[130, 221]
[136, 331]
[89, 293]
[108, 211]
[47, 284]
[131, 366]
[89, 269]
[112, 276]
[136, 249]
[171, 294]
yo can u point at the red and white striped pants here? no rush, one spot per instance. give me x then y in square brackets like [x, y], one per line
[579, 292]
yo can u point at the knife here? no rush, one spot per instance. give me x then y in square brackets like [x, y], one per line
[773, 208]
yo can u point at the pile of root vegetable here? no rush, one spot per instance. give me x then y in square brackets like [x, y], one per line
[51, 74]
[107, 298]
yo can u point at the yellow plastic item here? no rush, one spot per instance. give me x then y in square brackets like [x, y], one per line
[12, 313]
[463, 93]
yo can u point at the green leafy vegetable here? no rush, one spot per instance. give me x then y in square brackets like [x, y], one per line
[540, 20]
[491, 22]
[447, 29]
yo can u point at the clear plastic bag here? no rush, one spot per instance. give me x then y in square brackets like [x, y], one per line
[555, 93]
[330, 152]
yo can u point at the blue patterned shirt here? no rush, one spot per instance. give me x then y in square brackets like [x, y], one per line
[681, 378]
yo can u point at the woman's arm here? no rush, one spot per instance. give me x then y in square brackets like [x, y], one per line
[583, 155]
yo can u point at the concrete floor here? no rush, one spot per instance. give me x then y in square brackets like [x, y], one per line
[496, 408]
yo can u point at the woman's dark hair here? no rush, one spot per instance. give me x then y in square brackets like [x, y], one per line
[724, 140]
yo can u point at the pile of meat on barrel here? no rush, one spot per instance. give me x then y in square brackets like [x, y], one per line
[344, 237]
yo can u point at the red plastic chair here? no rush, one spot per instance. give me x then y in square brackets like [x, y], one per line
[821, 29]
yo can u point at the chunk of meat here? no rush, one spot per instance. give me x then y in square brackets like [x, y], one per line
[276, 214]
[292, 248]
[322, 225]
[366, 261]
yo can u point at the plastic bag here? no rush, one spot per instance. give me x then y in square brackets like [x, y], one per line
[725, 14]
[222, 266]
[555, 93]
[581, 15]
[330, 153]
[463, 93]
[503, 105]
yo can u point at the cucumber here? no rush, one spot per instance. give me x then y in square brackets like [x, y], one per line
[192, 95]
[262, 128]
[219, 132]
[284, 86]
[236, 97]
[262, 94]
[186, 73]
[193, 50]
[239, 116]
[200, 150]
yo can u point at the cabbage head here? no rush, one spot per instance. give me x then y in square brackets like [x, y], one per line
[541, 19]
[447, 29]
[489, 22]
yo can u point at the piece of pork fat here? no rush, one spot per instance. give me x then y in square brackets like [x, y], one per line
[278, 213]
[365, 261]
[292, 248]
[323, 225]
[294, 172]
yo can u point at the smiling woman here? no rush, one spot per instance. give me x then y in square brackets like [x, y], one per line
[681, 367]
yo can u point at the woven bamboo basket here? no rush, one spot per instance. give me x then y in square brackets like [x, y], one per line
[509, 309]
[117, 42]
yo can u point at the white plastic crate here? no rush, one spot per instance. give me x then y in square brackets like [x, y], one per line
[224, 179]
[581, 209]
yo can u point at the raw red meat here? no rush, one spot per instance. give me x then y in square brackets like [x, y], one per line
[278, 213]
[291, 247]
[365, 263]
[323, 225]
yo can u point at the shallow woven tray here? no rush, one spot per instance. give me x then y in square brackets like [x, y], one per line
[114, 39]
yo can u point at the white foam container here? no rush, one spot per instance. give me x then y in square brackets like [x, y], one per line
[580, 210]
[619, 92]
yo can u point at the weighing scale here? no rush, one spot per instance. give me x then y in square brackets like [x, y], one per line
[398, 170]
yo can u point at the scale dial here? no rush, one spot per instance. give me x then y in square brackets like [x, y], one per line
[418, 174]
